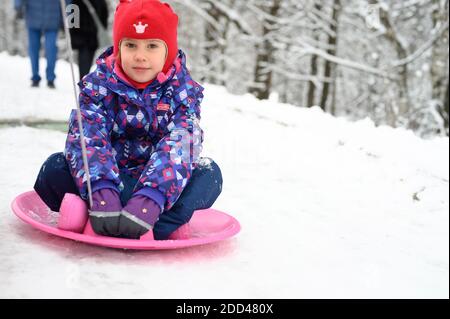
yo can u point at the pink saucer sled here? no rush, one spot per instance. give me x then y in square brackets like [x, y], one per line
[206, 226]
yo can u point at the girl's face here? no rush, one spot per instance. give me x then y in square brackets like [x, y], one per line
[142, 60]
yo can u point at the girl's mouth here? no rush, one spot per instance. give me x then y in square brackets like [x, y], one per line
[139, 69]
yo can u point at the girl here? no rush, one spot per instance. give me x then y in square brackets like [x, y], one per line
[141, 112]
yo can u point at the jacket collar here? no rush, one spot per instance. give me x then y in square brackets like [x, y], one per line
[176, 80]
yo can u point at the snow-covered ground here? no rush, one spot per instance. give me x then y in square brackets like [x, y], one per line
[328, 208]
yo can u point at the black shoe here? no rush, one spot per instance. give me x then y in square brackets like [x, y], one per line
[35, 84]
[51, 84]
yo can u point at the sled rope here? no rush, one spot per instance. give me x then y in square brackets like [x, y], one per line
[80, 124]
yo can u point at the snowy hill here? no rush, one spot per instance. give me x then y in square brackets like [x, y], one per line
[328, 208]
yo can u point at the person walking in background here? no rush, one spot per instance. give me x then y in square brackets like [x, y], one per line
[84, 38]
[42, 17]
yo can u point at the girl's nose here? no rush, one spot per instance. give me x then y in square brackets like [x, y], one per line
[139, 56]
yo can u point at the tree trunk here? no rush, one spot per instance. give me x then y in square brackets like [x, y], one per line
[311, 84]
[439, 65]
[223, 46]
[332, 45]
[403, 102]
[311, 99]
[212, 47]
[445, 108]
[264, 58]
[333, 96]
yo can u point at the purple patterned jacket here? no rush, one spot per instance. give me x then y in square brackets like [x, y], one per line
[153, 135]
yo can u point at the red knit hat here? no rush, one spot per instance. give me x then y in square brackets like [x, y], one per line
[147, 19]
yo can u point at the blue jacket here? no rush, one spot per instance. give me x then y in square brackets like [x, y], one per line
[41, 14]
[153, 135]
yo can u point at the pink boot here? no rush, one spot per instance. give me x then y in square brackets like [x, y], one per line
[148, 236]
[184, 232]
[73, 213]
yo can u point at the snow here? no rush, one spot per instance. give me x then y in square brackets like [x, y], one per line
[329, 208]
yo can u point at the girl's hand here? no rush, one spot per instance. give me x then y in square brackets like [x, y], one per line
[138, 217]
[105, 212]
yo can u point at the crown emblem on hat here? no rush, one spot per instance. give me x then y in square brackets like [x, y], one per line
[140, 28]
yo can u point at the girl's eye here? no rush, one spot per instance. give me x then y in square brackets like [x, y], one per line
[129, 45]
[153, 46]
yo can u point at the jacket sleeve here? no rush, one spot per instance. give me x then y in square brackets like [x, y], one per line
[97, 126]
[170, 166]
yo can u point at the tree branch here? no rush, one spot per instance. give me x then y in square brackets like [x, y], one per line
[427, 45]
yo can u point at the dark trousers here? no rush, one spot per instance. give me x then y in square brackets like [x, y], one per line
[85, 59]
[205, 185]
